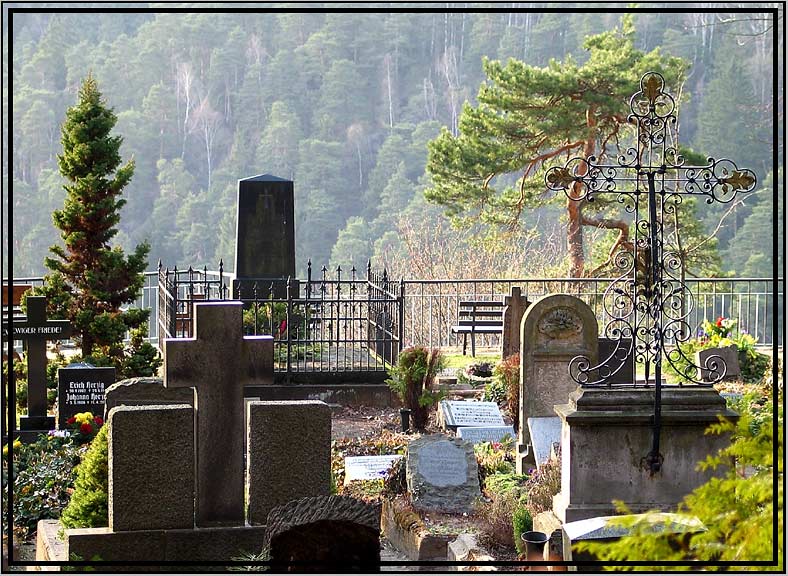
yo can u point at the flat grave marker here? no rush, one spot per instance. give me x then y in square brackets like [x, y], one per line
[457, 413]
[477, 434]
[368, 467]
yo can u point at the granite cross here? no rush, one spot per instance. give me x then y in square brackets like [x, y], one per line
[217, 363]
[36, 330]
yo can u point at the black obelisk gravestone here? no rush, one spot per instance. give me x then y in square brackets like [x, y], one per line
[35, 331]
[265, 236]
[80, 388]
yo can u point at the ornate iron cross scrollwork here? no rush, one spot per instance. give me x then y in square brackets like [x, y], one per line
[648, 304]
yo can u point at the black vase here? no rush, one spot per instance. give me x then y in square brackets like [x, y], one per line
[534, 544]
[404, 417]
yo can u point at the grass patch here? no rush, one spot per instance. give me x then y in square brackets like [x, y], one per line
[458, 361]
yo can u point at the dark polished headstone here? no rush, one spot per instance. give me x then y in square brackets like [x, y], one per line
[265, 238]
[81, 388]
[623, 357]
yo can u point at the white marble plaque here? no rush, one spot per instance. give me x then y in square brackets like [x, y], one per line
[544, 431]
[478, 434]
[443, 464]
[368, 467]
[471, 414]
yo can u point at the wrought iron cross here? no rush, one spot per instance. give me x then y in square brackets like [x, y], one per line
[648, 303]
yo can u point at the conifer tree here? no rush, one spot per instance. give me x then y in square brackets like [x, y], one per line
[90, 280]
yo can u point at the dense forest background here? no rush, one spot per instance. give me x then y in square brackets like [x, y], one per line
[344, 104]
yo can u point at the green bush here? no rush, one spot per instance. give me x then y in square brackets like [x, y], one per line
[494, 458]
[412, 378]
[542, 486]
[44, 476]
[88, 505]
[521, 522]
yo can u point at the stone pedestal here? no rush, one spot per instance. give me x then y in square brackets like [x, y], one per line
[606, 434]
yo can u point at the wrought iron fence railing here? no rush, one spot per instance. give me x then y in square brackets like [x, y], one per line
[364, 312]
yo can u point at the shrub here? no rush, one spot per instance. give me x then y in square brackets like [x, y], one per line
[88, 506]
[494, 458]
[494, 391]
[413, 379]
[507, 373]
[43, 479]
[521, 522]
[479, 369]
[542, 486]
[496, 527]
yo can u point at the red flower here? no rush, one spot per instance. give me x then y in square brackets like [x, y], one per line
[86, 428]
[71, 420]
[98, 420]
[719, 322]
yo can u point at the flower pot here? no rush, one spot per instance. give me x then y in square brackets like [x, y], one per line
[534, 544]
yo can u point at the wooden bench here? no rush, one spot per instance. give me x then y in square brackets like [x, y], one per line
[478, 317]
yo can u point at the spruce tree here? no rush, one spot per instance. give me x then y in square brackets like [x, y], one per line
[91, 280]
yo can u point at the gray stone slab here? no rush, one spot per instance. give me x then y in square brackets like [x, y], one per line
[144, 391]
[544, 431]
[218, 363]
[368, 467]
[468, 413]
[478, 434]
[442, 474]
[288, 454]
[151, 467]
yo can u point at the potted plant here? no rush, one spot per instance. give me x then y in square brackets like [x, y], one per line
[412, 378]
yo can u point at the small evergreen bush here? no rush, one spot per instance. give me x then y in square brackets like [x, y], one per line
[413, 380]
[88, 506]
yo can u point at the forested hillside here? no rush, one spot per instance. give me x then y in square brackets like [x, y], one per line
[344, 104]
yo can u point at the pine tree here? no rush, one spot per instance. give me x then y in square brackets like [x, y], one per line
[90, 280]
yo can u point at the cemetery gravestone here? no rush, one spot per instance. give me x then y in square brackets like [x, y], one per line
[145, 391]
[368, 467]
[545, 432]
[515, 306]
[35, 331]
[618, 356]
[151, 439]
[476, 434]
[288, 453]
[265, 239]
[456, 413]
[555, 329]
[81, 388]
[218, 363]
[442, 474]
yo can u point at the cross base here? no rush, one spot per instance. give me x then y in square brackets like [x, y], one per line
[37, 423]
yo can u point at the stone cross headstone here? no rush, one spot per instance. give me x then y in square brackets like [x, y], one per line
[265, 239]
[35, 331]
[81, 388]
[478, 434]
[555, 329]
[368, 467]
[454, 413]
[515, 306]
[218, 363]
[442, 474]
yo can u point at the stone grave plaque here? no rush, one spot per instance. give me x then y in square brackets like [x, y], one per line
[368, 467]
[478, 434]
[442, 474]
[81, 388]
[544, 431]
[456, 413]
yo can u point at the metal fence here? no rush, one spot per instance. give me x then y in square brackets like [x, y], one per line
[329, 325]
[430, 307]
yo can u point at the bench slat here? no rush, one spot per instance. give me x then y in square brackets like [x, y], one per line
[480, 323]
[482, 313]
[477, 329]
[481, 304]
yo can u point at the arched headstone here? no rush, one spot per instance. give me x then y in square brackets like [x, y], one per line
[554, 329]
